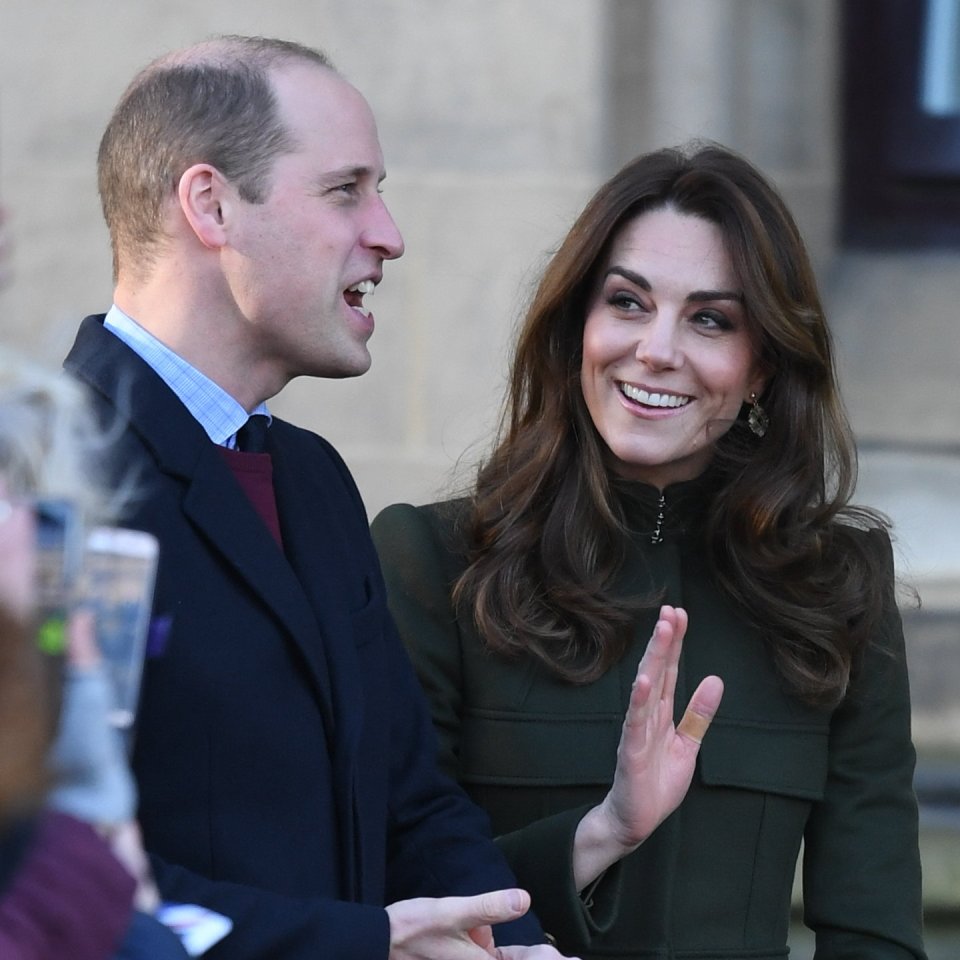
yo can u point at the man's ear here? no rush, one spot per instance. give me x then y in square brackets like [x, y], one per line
[203, 195]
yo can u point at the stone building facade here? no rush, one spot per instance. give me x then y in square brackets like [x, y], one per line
[498, 118]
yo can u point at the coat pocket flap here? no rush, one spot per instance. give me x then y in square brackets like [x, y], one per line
[774, 758]
[528, 749]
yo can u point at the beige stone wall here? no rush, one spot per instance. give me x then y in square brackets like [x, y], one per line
[497, 117]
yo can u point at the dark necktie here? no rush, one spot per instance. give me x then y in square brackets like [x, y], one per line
[252, 436]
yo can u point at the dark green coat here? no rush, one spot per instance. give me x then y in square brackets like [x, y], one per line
[715, 879]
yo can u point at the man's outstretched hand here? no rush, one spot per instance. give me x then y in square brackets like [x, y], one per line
[459, 928]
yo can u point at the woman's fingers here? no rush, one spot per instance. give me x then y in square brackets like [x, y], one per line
[656, 683]
[662, 656]
[701, 710]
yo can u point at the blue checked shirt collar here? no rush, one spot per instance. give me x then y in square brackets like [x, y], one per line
[211, 406]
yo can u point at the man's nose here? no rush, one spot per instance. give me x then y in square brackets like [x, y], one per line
[382, 233]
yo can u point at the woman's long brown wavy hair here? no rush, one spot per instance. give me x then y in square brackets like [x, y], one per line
[546, 533]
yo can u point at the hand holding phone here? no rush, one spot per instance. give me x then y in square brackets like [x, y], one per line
[119, 567]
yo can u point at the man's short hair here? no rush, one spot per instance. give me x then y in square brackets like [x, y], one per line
[210, 103]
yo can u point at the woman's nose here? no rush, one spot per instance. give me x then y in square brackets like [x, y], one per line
[658, 346]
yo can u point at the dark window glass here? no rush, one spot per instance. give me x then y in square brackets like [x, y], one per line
[901, 123]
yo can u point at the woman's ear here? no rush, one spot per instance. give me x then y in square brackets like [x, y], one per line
[203, 195]
[762, 375]
[755, 392]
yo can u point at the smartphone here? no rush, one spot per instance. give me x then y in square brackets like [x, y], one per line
[119, 569]
[197, 927]
[59, 555]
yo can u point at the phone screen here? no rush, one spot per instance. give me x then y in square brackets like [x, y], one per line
[58, 562]
[119, 568]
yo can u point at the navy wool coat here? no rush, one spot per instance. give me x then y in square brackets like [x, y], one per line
[284, 754]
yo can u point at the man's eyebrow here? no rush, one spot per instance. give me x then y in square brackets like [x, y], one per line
[695, 296]
[351, 173]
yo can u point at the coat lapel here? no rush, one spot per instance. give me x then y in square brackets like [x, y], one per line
[314, 515]
[213, 500]
[221, 512]
[323, 559]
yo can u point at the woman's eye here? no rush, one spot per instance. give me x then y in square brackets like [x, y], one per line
[712, 320]
[623, 301]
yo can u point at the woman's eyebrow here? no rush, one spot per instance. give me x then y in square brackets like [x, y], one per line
[699, 296]
[696, 296]
[628, 274]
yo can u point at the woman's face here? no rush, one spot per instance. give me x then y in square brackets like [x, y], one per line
[667, 358]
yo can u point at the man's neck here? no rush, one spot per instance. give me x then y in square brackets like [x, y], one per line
[202, 334]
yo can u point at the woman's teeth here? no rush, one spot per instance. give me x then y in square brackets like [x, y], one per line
[640, 395]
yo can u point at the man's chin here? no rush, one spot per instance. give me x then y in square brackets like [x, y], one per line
[343, 367]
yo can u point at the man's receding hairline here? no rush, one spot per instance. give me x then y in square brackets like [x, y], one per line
[228, 51]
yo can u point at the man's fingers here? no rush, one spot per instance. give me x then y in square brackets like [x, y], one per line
[483, 937]
[445, 926]
[496, 906]
[701, 709]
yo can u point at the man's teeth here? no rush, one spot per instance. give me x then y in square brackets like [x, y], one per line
[363, 288]
[653, 399]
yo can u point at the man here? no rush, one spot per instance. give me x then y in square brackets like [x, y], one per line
[284, 756]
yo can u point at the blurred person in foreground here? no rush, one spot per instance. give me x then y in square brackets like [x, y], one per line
[674, 438]
[284, 754]
[74, 880]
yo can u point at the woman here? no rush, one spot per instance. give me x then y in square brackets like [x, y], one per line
[674, 435]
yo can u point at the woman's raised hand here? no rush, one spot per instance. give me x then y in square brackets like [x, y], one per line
[655, 759]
